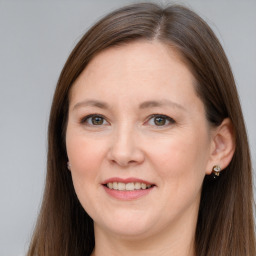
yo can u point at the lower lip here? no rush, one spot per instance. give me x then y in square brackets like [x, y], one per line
[126, 194]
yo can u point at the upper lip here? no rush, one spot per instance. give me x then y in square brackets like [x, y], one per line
[127, 180]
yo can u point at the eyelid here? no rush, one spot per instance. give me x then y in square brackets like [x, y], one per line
[168, 118]
[84, 119]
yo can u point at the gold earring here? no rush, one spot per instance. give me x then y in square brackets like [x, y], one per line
[216, 171]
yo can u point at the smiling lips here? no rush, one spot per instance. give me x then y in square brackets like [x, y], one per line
[128, 186]
[127, 189]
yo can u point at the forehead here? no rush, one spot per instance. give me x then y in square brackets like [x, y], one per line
[140, 69]
[136, 56]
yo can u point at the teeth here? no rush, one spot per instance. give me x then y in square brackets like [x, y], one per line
[128, 186]
[120, 186]
[137, 185]
[110, 185]
[115, 185]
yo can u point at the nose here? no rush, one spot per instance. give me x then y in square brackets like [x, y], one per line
[125, 149]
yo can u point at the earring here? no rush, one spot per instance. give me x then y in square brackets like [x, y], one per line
[69, 165]
[216, 171]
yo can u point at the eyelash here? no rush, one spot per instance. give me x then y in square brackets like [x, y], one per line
[86, 118]
[164, 117]
[151, 117]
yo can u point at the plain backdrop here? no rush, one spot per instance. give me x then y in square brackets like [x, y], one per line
[36, 38]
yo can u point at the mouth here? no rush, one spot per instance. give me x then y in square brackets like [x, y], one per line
[127, 189]
[129, 186]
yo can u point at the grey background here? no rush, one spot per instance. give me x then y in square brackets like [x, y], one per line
[36, 38]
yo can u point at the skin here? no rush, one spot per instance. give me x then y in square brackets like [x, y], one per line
[174, 156]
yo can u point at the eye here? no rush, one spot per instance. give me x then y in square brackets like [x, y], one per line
[160, 120]
[94, 120]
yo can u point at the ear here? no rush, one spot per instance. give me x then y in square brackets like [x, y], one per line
[69, 166]
[222, 146]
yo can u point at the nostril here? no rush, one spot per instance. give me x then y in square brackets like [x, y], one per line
[124, 152]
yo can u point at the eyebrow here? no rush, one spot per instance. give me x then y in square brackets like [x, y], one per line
[161, 103]
[143, 105]
[92, 103]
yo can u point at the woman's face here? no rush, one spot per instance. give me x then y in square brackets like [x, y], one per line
[138, 141]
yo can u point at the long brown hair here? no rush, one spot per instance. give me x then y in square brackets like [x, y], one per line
[225, 224]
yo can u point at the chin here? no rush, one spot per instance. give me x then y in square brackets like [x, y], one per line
[129, 232]
[127, 225]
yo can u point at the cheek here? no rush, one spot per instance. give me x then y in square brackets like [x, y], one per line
[182, 155]
[85, 155]
[180, 165]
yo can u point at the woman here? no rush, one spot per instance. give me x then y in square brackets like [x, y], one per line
[148, 153]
